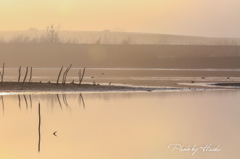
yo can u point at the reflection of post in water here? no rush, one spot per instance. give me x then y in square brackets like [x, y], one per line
[39, 128]
[2, 104]
[59, 101]
[30, 99]
[80, 98]
[65, 99]
[25, 101]
[19, 100]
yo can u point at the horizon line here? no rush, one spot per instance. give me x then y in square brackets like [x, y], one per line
[129, 32]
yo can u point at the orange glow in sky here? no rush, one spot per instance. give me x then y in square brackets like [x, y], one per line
[186, 17]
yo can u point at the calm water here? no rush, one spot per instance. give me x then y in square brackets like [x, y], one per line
[120, 125]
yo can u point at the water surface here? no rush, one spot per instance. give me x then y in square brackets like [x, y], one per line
[120, 125]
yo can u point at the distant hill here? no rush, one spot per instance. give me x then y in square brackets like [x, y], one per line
[109, 37]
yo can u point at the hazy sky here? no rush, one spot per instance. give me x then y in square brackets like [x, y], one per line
[185, 17]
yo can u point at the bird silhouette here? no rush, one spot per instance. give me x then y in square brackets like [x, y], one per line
[55, 133]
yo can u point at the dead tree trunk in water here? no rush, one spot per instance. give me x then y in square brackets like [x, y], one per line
[19, 75]
[59, 75]
[30, 75]
[2, 73]
[25, 75]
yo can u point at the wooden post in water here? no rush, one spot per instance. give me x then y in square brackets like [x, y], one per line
[65, 75]
[25, 75]
[79, 76]
[19, 75]
[39, 128]
[2, 73]
[82, 75]
[30, 75]
[59, 74]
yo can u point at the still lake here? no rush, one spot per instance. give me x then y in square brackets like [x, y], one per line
[120, 125]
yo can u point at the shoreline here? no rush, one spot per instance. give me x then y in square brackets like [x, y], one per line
[227, 84]
[36, 87]
[70, 87]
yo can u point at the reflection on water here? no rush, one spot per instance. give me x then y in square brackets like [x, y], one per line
[39, 127]
[2, 104]
[119, 125]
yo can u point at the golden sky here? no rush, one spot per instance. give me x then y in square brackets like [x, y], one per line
[186, 17]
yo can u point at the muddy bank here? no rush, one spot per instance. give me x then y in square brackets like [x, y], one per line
[53, 87]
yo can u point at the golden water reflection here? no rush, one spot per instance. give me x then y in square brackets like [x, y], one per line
[119, 125]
